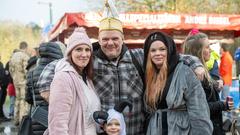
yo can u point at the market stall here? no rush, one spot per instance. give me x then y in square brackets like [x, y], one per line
[220, 28]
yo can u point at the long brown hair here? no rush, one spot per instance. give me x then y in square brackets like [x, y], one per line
[193, 45]
[88, 70]
[155, 83]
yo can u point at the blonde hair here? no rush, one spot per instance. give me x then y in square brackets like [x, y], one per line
[155, 83]
[193, 45]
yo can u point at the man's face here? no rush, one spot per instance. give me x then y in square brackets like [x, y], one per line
[221, 51]
[111, 43]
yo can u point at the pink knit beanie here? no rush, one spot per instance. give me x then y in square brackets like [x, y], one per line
[79, 36]
[194, 31]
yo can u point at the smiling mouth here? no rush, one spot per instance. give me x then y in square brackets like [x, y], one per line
[113, 132]
[111, 49]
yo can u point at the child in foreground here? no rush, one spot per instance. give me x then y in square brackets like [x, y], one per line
[112, 122]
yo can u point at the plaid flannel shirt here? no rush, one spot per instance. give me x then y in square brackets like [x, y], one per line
[46, 77]
[119, 81]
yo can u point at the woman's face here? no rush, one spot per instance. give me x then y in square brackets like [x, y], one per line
[113, 127]
[81, 55]
[158, 53]
[206, 49]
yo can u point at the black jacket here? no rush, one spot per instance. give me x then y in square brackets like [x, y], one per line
[216, 106]
[48, 52]
[3, 77]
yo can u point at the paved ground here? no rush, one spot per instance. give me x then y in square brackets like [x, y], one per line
[7, 128]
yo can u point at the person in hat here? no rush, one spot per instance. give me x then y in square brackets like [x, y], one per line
[116, 75]
[72, 98]
[117, 70]
[174, 96]
[198, 45]
[113, 120]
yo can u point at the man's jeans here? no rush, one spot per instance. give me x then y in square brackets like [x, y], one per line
[11, 107]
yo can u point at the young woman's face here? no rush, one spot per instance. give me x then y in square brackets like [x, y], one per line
[81, 55]
[158, 53]
[206, 50]
[113, 127]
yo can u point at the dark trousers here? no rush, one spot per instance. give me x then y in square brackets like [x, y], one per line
[3, 94]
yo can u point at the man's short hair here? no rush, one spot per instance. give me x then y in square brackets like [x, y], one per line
[23, 45]
[225, 46]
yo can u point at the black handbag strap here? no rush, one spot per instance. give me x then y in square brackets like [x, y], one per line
[30, 111]
[33, 94]
[137, 65]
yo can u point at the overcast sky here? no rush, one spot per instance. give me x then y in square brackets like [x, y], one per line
[27, 11]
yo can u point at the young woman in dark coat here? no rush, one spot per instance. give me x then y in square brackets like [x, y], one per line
[198, 45]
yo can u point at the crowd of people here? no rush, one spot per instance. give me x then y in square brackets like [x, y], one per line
[83, 90]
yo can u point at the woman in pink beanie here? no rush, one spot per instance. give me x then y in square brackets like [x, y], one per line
[72, 95]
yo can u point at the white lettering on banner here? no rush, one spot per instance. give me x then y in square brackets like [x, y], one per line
[165, 18]
[218, 20]
[150, 18]
[196, 19]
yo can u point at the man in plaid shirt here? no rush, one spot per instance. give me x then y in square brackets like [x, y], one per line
[117, 80]
[116, 77]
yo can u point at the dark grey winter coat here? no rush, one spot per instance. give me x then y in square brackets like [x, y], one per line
[185, 90]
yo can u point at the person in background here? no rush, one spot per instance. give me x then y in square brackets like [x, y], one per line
[212, 65]
[11, 89]
[43, 84]
[213, 69]
[198, 45]
[47, 53]
[17, 69]
[174, 96]
[12, 96]
[32, 62]
[72, 98]
[3, 91]
[226, 69]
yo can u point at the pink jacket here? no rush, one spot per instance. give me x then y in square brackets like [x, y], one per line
[66, 103]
